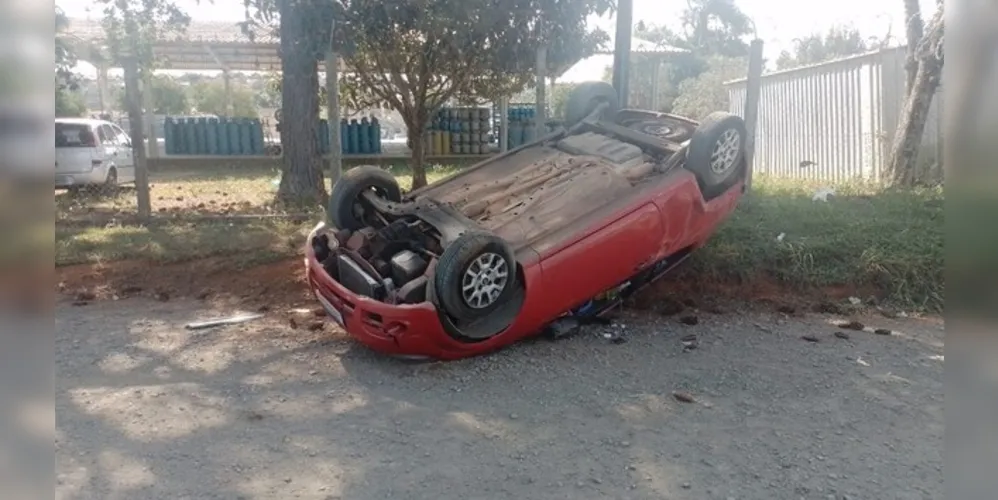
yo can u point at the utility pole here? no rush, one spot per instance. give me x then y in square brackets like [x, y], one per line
[622, 50]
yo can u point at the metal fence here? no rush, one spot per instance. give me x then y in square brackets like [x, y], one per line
[835, 121]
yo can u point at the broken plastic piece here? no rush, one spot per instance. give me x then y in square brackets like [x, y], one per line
[242, 318]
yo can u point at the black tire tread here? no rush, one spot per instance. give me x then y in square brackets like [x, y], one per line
[702, 145]
[349, 187]
[578, 106]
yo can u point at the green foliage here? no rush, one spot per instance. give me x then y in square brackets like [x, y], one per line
[837, 42]
[209, 97]
[69, 103]
[169, 97]
[706, 93]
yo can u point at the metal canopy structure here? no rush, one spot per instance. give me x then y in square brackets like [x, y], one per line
[205, 46]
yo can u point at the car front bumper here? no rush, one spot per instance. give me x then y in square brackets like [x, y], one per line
[408, 330]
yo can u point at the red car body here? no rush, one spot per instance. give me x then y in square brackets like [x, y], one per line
[668, 216]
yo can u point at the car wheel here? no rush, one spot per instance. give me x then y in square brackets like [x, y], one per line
[346, 209]
[717, 152]
[661, 125]
[475, 276]
[584, 99]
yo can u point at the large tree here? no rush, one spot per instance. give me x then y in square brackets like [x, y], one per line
[415, 55]
[928, 57]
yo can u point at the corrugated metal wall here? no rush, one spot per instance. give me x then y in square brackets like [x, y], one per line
[833, 121]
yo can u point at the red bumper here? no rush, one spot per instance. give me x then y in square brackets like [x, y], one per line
[403, 330]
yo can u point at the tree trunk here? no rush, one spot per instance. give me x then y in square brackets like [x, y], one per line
[911, 126]
[302, 180]
[915, 29]
[417, 161]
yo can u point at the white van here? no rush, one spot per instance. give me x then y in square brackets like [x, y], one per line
[91, 152]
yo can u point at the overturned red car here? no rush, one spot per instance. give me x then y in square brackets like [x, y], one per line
[565, 227]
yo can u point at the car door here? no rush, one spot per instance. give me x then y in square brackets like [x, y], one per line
[126, 158]
[108, 148]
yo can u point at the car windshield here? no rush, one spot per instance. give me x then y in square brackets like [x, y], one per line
[72, 135]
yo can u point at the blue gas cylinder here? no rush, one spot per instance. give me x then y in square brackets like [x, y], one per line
[375, 135]
[364, 136]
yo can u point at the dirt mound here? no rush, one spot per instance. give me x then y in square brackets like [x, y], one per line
[275, 284]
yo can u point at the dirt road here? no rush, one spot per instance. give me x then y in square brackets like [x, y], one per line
[149, 410]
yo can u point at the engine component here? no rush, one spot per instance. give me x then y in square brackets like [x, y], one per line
[406, 266]
[414, 291]
[359, 281]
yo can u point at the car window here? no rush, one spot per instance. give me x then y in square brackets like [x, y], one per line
[123, 138]
[73, 135]
[108, 137]
[101, 134]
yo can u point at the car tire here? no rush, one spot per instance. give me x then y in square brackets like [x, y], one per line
[475, 275]
[344, 201]
[662, 125]
[716, 152]
[584, 99]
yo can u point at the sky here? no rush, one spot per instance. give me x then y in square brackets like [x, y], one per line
[778, 22]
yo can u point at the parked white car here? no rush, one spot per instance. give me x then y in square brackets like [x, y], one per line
[91, 152]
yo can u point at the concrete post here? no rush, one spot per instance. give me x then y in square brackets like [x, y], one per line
[622, 50]
[656, 75]
[503, 124]
[753, 88]
[540, 116]
[227, 81]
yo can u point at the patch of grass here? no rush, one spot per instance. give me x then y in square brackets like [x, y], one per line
[222, 190]
[252, 242]
[863, 237]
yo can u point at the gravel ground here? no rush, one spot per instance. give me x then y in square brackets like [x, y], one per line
[149, 410]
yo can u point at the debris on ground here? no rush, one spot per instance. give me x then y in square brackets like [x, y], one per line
[852, 325]
[231, 320]
[162, 296]
[615, 334]
[785, 309]
[316, 326]
[810, 338]
[823, 194]
[86, 296]
[883, 331]
[862, 362]
[855, 301]
[690, 342]
[689, 320]
[683, 397]
[842, 335]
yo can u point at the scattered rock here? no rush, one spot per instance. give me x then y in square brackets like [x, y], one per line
[883, 331]
[842, 335]
[292, 323]
[689, 320]
[690, 342]
[315, 326]
[683, 397]
[319, 312]
[80, 303]
[786, 309]
[180, 198]
[86, 296]
[669, 307]
[686, 486]
[810, 338]
[852, 325]
[829, 308]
